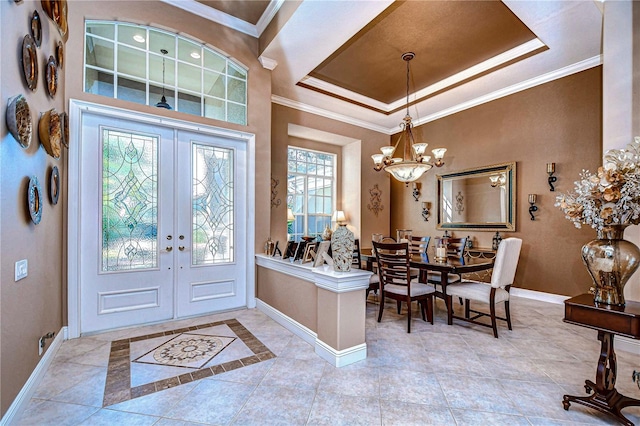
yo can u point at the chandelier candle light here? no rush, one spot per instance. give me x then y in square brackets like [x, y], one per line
[414, 163]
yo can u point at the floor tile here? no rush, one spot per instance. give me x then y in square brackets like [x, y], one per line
[276, 405]
[332, 409]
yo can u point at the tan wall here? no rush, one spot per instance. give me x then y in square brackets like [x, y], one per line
[559, 122]
[294, 297]
[370, 143]
[30, 307]
[341, 325]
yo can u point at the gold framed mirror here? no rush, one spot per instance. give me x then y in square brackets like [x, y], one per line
[478, 199]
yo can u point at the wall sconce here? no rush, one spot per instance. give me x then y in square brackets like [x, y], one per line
[416, 191]
[532, 207]
[425, 210]
[551, 169]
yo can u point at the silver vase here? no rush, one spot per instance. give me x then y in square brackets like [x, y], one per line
[611, 261]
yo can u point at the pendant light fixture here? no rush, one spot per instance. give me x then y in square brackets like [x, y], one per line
[163, 101]
[414, 163]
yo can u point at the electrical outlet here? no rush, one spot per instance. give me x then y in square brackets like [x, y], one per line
[22, 269]
[40, 346]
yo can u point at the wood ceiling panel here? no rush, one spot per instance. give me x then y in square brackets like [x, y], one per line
[447, 37]
[247, 10]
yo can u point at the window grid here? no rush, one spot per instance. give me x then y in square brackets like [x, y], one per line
[233, 73]
[310, 191]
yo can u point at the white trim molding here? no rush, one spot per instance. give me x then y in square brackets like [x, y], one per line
[289, 323]
[538, 295]
[27, 391]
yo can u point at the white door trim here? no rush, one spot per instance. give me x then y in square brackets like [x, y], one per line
[76, 109]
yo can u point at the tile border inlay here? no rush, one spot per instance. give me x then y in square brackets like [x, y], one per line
[118, 383]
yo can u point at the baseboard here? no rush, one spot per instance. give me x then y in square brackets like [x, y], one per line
[343, 357]
[538, 295]
[32, 383]
[290, 324]
[628, 345]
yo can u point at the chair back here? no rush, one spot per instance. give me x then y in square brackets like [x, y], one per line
[456, 246]
[356, 260]
[506, 263]
[419, 245]
[393, 263]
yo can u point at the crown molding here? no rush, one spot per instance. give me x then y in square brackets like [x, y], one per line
[329, 114]
[268, 14]
[268, 63]
[515, 88]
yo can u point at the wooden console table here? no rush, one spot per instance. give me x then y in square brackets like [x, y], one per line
[608, 320]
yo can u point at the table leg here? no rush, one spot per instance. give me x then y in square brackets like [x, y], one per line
[444, 280]
[605, 398]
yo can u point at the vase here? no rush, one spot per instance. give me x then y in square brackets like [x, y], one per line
[342, 242]
[611, 260]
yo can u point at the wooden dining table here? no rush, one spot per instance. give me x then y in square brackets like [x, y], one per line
[428, 262]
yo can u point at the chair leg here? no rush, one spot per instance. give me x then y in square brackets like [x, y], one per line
[381, 309]
[467, 308]
[492, 307]
[408, 315]
[507, 311]
[460, 299]
[400, 307]
[430, 309]
[423, 309]
[449, 301]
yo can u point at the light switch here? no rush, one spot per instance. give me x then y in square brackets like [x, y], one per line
[22, 269]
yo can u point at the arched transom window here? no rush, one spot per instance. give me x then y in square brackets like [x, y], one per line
[128, 62]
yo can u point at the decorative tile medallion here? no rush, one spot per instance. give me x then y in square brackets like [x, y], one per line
[188, 349]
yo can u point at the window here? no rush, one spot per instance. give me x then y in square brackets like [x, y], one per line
[310, 191]
[124, 61]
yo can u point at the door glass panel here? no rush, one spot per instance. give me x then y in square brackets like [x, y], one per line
[129, 201]
[212, 205]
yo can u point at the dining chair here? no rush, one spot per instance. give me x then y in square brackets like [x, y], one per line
[504, 271]
[419, 245]
[394, 272]
[356, 262]
[455, 248]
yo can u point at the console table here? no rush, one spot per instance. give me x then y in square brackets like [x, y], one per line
[608, 320]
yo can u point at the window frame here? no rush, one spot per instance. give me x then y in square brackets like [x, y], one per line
[305, 214]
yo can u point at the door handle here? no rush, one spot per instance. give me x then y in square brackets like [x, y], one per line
[169, 237]
[181, 237]
[169, 248]
[181, 248]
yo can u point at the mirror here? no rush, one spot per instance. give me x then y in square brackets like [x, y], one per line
[479, 199]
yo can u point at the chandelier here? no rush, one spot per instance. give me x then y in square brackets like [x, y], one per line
[414, 163]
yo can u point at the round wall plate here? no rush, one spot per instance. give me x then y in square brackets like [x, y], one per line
[34, 199]
[54, 185]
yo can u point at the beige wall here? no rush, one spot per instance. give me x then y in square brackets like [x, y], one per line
[370, 142]
[559, 122]
[30, 307]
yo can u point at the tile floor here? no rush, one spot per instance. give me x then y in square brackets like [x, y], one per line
[438, 374]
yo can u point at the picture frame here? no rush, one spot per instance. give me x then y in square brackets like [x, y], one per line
[300, 251]
[323, 248]
[290, 250]
[310, 252]
[276, 250]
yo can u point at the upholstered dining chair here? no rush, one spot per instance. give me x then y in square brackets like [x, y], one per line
[395, 281]
[356, 262]
[455, 248]
[504, 271]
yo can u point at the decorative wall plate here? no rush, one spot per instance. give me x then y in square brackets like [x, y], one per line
[64, 124]
[57, 11]
[50, 132]
[30, 62]
[36, 28]
[34, 199]
[19, 120]
[54, 185]
[60, 54]
[51, 72]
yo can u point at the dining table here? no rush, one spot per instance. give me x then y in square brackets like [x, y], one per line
[429, 262]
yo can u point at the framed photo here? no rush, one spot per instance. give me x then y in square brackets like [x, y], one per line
[323, 248]
[276, 250]
[290, 250]
[300, 251]
[310, 252]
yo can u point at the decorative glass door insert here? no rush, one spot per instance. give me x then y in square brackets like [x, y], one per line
[129, 201]
[212, 205]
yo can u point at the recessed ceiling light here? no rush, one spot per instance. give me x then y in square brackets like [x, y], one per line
[195, 55]
[139, 38]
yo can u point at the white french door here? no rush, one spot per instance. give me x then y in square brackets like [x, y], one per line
[162, 223]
